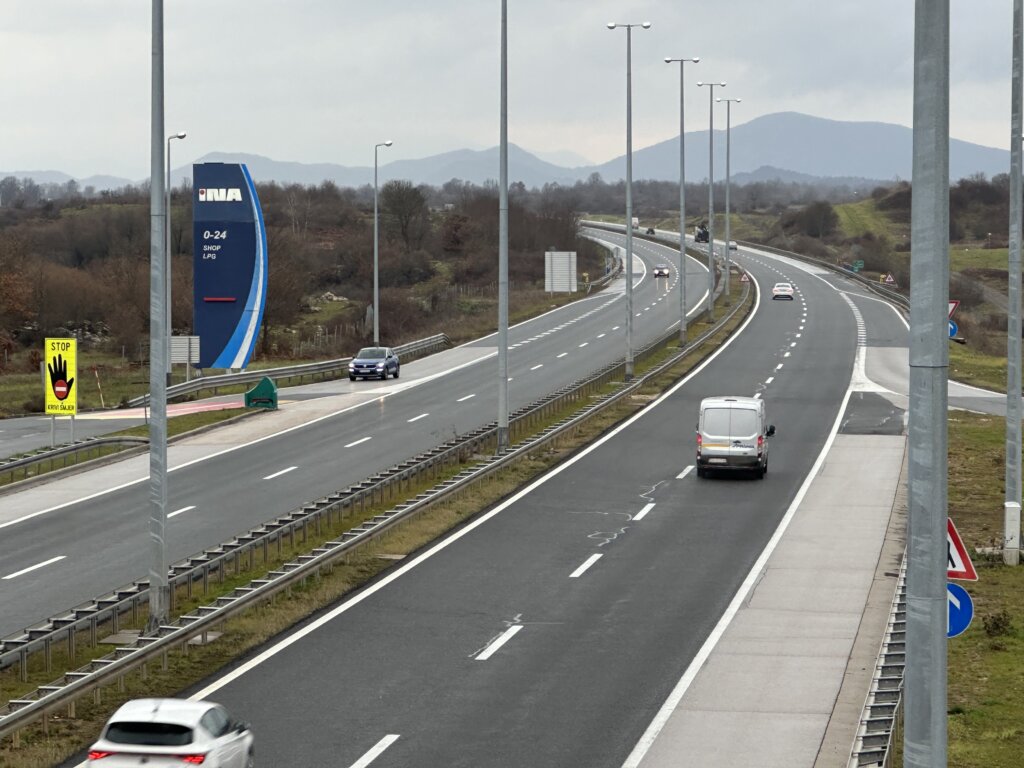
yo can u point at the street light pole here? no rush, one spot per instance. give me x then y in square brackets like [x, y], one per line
[711, 197]
[1012, 486]
[376, 227]
[728, 149]
[170, 260]
[503, 440]
[682, 197]
[629, 189]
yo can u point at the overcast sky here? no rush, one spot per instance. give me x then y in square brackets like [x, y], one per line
[323, 80]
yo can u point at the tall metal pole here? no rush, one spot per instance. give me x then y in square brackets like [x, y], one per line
[925, 675]
[170, 258]
[376, 227]
[711, 197]
[728, 186]
[682, 196]
[1011, 505]
[629, 190]
[159, 592]
[503, 440]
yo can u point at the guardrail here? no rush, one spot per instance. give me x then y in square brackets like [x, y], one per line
[18, 713]
[881, 718]
[323, 368]
[63, 453]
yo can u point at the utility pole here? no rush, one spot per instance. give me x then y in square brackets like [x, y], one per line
[503, 439]
[1012, 499]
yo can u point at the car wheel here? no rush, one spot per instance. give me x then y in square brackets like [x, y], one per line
[396, 371]
[384, 375]
[700, 471]
[351, 377]
[250, 760]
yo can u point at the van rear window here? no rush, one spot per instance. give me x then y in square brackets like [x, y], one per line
[730, 422]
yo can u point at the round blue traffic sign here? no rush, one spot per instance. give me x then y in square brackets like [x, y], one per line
[953, 329]
[959, 610]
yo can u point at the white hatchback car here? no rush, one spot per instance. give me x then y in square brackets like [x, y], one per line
[782, 291]
[173, 732]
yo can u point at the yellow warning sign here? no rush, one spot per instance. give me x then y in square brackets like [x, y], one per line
[59, 378]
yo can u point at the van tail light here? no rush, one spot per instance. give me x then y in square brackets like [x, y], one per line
[97, 754]
[699, 441]
[760, 444]
[193, 759]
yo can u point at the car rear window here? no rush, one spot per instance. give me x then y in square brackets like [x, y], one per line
[730, 422]
[149, 734]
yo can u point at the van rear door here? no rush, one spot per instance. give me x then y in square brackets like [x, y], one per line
[729, 436]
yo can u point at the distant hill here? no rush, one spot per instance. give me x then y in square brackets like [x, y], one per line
[787, 145]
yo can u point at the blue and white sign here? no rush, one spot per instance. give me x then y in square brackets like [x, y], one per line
[959, 610]
[953, 329]
[229, 264]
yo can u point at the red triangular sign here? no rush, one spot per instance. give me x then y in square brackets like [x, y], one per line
[744, 278]
[958, 562]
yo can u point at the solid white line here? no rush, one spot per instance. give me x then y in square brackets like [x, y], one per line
[467, 397]
[417, 418]
[505, 636]
[179, 511]
[586, 564]
[537, 366]
[23, 571]
[282, 472]
[685, 472]
[643, 512]
[562, 355]
[313, 626]
[651, 734]
[376, 751]
[357, 442]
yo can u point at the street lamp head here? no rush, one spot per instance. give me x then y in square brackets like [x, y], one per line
[668, 60]
[388, 143]
[646, 25]
[695, 59]
[179, 135]
[612, 25]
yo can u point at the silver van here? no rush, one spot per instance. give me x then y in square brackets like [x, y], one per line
[732, 434]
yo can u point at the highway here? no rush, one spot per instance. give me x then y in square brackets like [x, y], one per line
[549, 631]
[70, 540]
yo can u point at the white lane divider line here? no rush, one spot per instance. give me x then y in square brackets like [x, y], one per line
[35, 567]
[467, 397]
[615, 328]
[503, 638]
[562, 355]
[786, 355]
[757, 396]
[643, 512]
[541, 365]
[182, 510]
[793, 344]
[600, 336]
[779, 367]
[799, 334]
[583, 568]
[769, 380]
[417, 418]
[376, 751]
[584, 344]
[685, 472]
[357, 442]
[283, 472]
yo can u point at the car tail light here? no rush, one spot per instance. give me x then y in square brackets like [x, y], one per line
[193, 759]
[760, 444]
[97, 754]
[699, 441]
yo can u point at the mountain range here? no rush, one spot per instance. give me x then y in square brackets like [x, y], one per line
[787, 146]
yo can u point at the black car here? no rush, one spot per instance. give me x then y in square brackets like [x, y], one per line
[373, 363]
[701, 234]
[650, 230]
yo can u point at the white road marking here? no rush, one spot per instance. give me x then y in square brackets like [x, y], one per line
[537, 366]
[615, 328]
[757, 396]
[43, 564]
[285, 471]
[503, 638]
[357, 442]
[584, 344]
[786, 355]
[685, 472]
[769, 380]
[793, 344]
[799, 334]
[180, 511]
[779, 367]
[562, 355]
[586, 564]
[643, 512]
[600, 335]
[417, 418]
[467, 397]
[376, 751]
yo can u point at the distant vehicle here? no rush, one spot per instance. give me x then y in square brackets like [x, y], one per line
[732, 435]
[700, 234]
[732, 245]
[172, 732]
[373, 363]
[782, 291]
[636, 222]
[650, 230]
[660, 271]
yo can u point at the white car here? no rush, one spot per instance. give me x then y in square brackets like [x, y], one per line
[157, 733]
[782, 291]
[661, 270]
[733, 245]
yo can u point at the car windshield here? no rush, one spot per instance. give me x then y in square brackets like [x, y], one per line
[730, 422]
[372, 353]
[149, 734]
